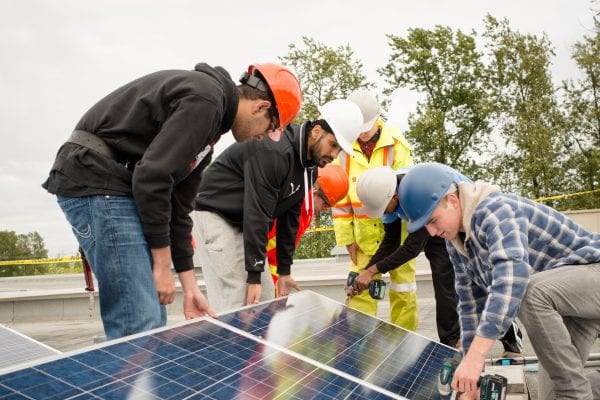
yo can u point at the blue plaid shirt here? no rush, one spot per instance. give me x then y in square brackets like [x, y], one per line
[510, 238]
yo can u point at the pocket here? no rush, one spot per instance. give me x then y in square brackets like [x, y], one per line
[211, 231]
[77, 213]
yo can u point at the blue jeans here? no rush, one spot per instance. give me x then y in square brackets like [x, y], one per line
[109, 230]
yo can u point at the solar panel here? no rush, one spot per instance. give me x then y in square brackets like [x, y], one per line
[301, 347]
[387, 356]
[17, 348]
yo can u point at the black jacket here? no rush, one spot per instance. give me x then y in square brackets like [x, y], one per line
[391, 254]
[159, 124]
[252, 183]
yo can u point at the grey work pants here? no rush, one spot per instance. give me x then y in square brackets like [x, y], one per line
[561, 314]
[220, 253]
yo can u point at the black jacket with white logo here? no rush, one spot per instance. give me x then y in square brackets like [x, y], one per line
[252, 183]
[159, 124]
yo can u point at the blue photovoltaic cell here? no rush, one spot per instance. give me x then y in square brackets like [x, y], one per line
[304, 346]
[17, 348]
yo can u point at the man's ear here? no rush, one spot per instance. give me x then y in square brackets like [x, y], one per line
[452, 199]
[261, 105]
[316, 131]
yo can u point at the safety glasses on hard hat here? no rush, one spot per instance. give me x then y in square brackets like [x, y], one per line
[327, 204]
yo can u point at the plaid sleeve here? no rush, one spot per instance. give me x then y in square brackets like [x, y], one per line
[467, 304]
[503, 231]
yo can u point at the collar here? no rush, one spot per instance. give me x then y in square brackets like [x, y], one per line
[386, 137]
[298, 135]
[470, 196]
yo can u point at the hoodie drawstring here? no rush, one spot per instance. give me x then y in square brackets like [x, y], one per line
[308, 192]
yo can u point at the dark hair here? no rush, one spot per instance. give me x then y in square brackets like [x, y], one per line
[251, 93]
[323, 124]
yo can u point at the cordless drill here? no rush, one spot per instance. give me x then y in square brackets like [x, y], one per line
[491, 387]
[376, 287]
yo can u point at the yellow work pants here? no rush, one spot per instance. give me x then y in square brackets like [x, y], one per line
[402, 293]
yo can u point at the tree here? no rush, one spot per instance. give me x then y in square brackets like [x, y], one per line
[325, 73]
[15, 246]
[582, 104]
[526, 112]
[317, 244]
[450, 125]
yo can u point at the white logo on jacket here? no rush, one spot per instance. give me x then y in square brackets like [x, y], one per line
[256, 263]
[294, 189]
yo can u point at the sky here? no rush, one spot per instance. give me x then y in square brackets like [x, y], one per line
[58, 57]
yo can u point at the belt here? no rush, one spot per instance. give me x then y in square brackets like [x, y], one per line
[94, 142]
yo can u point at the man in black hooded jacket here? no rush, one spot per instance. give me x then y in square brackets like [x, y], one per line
[248, 186]
[127, 177]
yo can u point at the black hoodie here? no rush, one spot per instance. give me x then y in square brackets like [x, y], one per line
[159, 124]
[252, 183]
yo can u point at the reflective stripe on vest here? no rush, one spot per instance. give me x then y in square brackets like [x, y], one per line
[403, 287]
[388, 158]
[348, 210]
[344, 210]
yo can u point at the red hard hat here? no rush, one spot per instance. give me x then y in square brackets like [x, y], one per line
[333, 182]
[285, 89]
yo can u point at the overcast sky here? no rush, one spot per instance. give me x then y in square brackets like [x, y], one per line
[59, 57]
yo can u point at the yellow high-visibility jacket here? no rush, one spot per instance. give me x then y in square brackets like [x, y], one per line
[351, 223]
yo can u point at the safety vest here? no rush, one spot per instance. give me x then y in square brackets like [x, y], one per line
[351, 223]
[303, 224]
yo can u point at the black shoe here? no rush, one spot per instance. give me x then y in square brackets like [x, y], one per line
[512, 341]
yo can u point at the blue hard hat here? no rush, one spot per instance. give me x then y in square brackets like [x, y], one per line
[421, 190]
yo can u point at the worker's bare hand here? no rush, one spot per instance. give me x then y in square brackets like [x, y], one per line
[285, 285]
[467, 374]
[474, 395]
[362, 281]
[196, 305]
[163, 277]
[253, 293]
[165, 285]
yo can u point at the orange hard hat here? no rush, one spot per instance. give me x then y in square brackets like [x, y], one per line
[285, 89]
[333, 182]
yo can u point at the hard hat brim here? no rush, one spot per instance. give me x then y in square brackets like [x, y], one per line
[378, 212]
[344, 144]
[417, 224]
[369, 124]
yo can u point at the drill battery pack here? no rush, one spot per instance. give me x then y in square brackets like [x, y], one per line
[493, 387]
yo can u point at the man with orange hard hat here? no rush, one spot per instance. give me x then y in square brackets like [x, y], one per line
[331, 186]
[127, 177]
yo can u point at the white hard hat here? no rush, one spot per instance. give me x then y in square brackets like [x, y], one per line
[375, 188]
[369, 107]
[345, 119]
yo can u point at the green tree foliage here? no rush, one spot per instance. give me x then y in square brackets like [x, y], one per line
[15, 246]
[582, 108]
[317, 244]
[450, 125]
[325, 73]
[526, 111]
